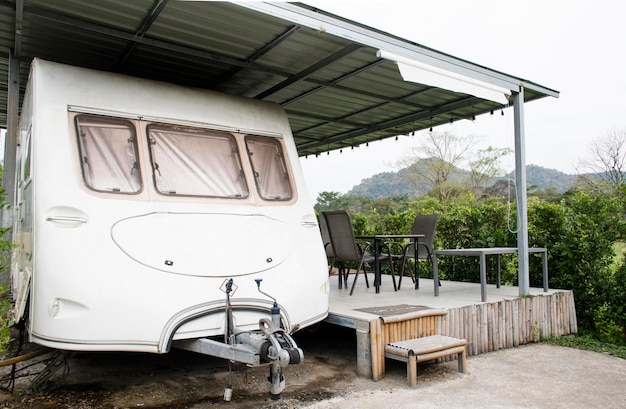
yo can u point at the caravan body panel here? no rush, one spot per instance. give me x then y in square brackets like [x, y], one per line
[136, 200]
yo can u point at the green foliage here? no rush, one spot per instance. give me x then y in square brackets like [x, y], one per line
[616, 302]
[6, 318]
[581, 250]
[587, 341]
[6, 306]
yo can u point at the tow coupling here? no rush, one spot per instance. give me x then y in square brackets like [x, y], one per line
[269, 345]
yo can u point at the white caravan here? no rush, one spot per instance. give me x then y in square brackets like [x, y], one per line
[148, 213]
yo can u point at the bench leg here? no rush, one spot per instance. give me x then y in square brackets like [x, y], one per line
[411, 370]
[461, 357]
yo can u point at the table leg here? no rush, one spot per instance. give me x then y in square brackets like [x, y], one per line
[483, 278]
[377, 265]
[435, 275]
[498, 271]
[544, 256]
[417, 264]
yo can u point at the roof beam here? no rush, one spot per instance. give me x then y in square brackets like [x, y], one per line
[310, 70]
[335, 85]
[147, 22]
[264, 50]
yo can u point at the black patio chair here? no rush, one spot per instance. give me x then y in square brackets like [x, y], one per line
[347, 250]
[330, 255]
[425, 224]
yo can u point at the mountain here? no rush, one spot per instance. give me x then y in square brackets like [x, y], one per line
[543, 178]
[398, 183]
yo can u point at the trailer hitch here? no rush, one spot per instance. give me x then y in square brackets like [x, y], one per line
[282, 352]
[270, 344]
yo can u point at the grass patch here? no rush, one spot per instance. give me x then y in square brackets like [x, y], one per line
[6, 321]
[590, 343]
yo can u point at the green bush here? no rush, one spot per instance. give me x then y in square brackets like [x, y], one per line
[579, 232]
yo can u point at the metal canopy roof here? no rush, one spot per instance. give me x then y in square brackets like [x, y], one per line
[321, 68]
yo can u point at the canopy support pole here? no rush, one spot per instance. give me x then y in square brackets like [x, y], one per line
[10, 141]
[520, 181]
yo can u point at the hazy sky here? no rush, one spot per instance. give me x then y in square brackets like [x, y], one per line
[575, 47]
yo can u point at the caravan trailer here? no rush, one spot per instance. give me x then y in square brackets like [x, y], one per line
[150, 215]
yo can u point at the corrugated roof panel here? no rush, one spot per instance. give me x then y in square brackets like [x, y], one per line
[46, 40]
[178, 68]
[121, 14]
[332, 103]
[222, 28]
[303, 49]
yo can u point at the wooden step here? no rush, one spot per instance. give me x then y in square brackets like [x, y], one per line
[423, 349]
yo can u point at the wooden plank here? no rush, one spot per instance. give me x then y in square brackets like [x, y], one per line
[484, 333]
[502, 319]
[515, 326]
[413, 315]
[573, 324]
[374, 348]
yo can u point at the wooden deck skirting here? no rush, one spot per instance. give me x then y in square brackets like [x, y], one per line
[486, 327]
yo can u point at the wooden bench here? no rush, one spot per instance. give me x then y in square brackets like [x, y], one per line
[414, 351]
[412, 338]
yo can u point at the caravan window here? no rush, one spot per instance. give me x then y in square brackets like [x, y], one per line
[108, 153]
[270, 170]
[196, 162]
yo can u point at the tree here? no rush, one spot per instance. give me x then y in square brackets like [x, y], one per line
[485, 166]
[606, 170]
[445, 152]
[327, 201]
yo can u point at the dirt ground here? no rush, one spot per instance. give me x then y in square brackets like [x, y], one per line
[533, 376]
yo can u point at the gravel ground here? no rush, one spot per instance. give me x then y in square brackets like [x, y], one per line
[532, 376]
